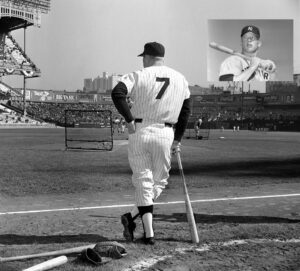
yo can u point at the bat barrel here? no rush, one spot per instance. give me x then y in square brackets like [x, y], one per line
[188, 206]
[227, 50]
[48, 264]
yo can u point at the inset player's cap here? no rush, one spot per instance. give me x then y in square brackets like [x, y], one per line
[251, 28]
[153, 49]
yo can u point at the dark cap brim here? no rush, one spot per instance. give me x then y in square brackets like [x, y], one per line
[142, 54]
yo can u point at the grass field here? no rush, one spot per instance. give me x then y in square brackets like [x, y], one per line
[245, 187]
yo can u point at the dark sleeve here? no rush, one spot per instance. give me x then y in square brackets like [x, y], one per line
[118, 96]
[182, 120]
[229, 77]
[226, 77]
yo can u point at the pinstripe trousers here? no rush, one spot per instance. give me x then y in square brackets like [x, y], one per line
[149, 155]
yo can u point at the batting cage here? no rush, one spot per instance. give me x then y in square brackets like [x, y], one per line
[88, 130]
[193, 132]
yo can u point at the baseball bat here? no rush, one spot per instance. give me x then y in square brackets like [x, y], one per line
[188, 205]
[227, 50]
[68, 251]
[48, 264]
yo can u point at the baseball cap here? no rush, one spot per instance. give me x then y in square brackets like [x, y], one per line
[251, 28]
[153, 49]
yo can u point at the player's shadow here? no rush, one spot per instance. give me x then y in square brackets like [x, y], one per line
[14, 239]
[212, 219]
[284, 168]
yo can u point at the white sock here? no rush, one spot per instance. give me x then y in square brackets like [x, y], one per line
[147, 221]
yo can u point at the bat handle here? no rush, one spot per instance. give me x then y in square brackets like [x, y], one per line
[179, 161]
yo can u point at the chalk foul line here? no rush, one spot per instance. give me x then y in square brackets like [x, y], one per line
[158, 203]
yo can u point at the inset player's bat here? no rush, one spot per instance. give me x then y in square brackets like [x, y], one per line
[48, 264]
[68, 251]
[227, 50]
[188, 206]
[266, 65]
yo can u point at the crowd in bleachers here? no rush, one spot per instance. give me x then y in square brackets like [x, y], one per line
[252, 118]
[10, 117]
[88, 119]
[4, 92]
[13, 53]
[4, 96]
[55, 112]
[4, 88]
[14, 60]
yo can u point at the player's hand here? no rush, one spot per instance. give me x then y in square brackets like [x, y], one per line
[131, 127]
[255, 62]
[175, 147]
[268, 65]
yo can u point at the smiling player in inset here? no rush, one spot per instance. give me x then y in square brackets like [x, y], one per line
[236, 68]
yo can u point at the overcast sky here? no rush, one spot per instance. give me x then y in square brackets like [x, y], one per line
[83, 38]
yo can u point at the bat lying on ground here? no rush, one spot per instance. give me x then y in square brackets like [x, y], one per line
[48, 264]
[68, 251]
[110, 249]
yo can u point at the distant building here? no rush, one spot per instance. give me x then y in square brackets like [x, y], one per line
[105, 81]
[97, 84]
[113, 81]
[88, 85]
[101, 84]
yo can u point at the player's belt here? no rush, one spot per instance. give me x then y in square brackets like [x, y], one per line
[166, 123]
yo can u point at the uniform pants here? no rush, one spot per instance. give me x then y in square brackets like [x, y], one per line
[149, 155]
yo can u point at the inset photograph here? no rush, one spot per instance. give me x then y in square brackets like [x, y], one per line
[250, 50]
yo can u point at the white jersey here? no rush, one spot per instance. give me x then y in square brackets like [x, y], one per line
[157, 93]
[236, 65]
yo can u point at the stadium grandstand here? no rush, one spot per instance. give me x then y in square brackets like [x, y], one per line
[17, 14]
[278, 109]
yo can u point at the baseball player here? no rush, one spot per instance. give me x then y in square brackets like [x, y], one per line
[236, 68]
[161, 99]
[116, 123]
[123, 125]
[197, 126]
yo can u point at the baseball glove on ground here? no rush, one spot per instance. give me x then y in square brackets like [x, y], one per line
[268, 65]
[91, 256]
[110, 249]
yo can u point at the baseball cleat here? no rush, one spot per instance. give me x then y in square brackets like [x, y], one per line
[149, 241]
[129, 226]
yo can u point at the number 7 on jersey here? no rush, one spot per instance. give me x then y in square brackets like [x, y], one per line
[166, 81]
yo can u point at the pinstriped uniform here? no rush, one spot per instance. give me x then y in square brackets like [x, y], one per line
[157, 93]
